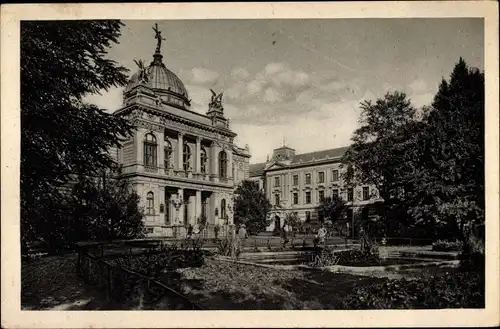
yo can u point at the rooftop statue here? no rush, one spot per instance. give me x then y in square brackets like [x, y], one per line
[158, 37]
[216, 100]
[143, 73]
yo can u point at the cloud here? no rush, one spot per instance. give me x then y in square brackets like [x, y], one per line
[240, 73]
[418, 86]
[202, 76]
[110, 100]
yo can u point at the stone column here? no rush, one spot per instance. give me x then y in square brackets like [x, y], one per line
[214, 164]
[198, 204]
[160, 153]
[191, 210]
[180, 149]
[198, 155]
[180, 217]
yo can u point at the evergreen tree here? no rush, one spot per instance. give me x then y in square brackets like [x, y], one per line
[452, 177]
[251, 206]
[61, 62]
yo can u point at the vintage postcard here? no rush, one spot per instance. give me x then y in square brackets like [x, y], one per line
[250, 165]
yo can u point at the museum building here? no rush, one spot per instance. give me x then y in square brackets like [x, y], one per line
[183, 165]
[297, 183]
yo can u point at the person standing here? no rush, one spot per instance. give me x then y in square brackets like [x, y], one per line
[242, 235]
[322, 233]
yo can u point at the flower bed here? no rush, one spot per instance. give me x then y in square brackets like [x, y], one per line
[453, 290]
[327, 257]
[156, 262]
[443, 245]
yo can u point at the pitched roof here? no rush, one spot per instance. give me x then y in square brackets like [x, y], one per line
[257, 169]
[319, 155]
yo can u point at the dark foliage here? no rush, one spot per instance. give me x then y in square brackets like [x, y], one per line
[443, 245]
[453, 290]
[251, 207]
[61, 62]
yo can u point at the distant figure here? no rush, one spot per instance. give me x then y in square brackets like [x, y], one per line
[242, 235]
[242, 232]
[285, 231]
[233, 241]
[322, 234]
[189, 231]
[196, 229]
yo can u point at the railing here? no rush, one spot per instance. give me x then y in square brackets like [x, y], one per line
[126, 286]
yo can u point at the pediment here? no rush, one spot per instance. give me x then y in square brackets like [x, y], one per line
[275, 165]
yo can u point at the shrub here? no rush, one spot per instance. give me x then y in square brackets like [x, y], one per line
[443, 245]
[324, 257]
[455, 290]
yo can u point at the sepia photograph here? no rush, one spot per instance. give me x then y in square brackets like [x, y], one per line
[252, 164]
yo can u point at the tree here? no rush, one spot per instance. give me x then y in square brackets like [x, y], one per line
[385, 152]
[451, 179]
[61, 62]
[99, 208]
[332, 208]
[251, 206]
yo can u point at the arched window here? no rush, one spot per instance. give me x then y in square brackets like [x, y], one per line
[167, 162]
[223, 164]
[223, 208]
[186, 156]
[203, 160]
[150, 207]
[150, 150]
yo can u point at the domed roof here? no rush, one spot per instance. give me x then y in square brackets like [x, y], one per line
[160, 79]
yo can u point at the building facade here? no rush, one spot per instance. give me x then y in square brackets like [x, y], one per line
[183, 165]
[297, 183]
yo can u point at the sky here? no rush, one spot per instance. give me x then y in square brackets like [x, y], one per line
[300, 82]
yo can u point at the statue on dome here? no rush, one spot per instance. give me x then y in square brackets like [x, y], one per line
[143, 73]
[216, 100]
[158, 37]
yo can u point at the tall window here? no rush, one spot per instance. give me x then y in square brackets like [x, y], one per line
[276, 181]
[277, 199]
[335, 176]
[186, 157]
[308, 197]
[150, 208]
[350, 194]
[295, 180]
[335, 193]
[223, 208]
[295, 198]
[321, 177]
[203, 160]
[150, 150]
[308, 216]
[321, 195]
[308, 178]
[167, 162]
[223, 164]
[366, 193]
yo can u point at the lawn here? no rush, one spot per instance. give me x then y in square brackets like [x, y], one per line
[220, 285]
[51, 283]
